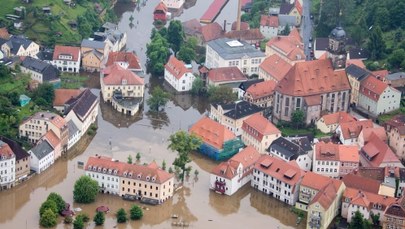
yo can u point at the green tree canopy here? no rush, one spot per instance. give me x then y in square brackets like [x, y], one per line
[44, 95]
[157, 99]
[183, 143]
[286, 31]
[221, 94]
[129, 159]
[157, 52]
[297, 118]
[60, 203]
[135, 212]
[85, 190]
[198, 87]
[48, 204]
[358, 222]
[376, 44]
[121, 216]
[396, 58]
[48, 219]
[99, 218]
[78, 223]
[175, 35]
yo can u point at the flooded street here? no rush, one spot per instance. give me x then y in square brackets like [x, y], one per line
[147, 133]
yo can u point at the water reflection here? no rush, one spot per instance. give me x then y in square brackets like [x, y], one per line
[226, 205]
[158, 119]
[180, 207]
[189, 3]
[116, 118]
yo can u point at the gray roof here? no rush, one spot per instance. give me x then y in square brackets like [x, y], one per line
[284, 20]
[321, 43]
[358, 53]
[274, 11]
[110, 26]
[286, 8]
[45, 55]
[81, 104]
[395, 76]
[72, 128]
[236, 52]
[242, 109]
[287, 148]
[92, 44]
[303, 141]
[42, 149]
[357, 72]
[48, 71]
[16, 42]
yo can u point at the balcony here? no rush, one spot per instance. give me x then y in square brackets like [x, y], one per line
[220, 187]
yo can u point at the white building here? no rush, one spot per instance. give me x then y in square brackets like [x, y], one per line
[349, 131]
[224, 52]
[19, 46]
[107, 178]
[67, 58]
[178, 75]
[377, 97]
[74, 134]
[269, 26]
[287, 150]
[228, 177]
[174, 4]
[277, 178]
[7, 166]
[42, 157]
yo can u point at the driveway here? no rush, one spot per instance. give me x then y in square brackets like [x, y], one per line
[306, 27]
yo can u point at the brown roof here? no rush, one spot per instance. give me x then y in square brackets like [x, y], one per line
[279, 169]
[366, 199]
[161, 6]
[290, 46]
[55, 119]
[211, 132]
[358, 182]
[312, 100]
[353, 129]
[270, 21]
[379, 131]
[313, 77]
[63, 95]
[245, 35]
[275, 66]
[246, 157]
[378, 152]
[261, 89]
[192, 27]
[395, 210]
[372, 88]
[261, 125]
[328, 194]
[128, 57]
[52, 139]
[5, 150]
[176, 67]
[380, 74]
[115, 74]
[4, 33]
[397, 122]
[338, 118]
[336, 152]
[315, 181]
[374, 173]
[140, 172]
[211, 32]
[243, 25]
[226, 74]
[66, 50]
[357, 62]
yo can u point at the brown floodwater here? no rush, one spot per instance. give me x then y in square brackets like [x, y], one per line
[147, 133]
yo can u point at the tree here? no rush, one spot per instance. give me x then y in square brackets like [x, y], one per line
[198, 86]
[48, 219]
[48, 204]
[121, 216]
[171, 170]
[78, 223]
[157, 52]
[138, 156]
[68, 220]
[85, 218]
[129, 159]
[164, 165]
[286, 31]
[44, 95]
[358, 222]
[396, 58]
[187, 51]
[99, 218]
[221, 94]
[175, 35]
[183, 143]
[60, 203]
[375, 218]
[297, 118]
[376, 43]
[85, 190]
[158, 98]
[135, 212]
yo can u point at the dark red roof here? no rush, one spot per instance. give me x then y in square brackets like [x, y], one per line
[213, 10]
[66, 50]
[129, 57]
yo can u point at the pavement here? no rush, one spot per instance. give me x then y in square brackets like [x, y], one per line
[306, 27]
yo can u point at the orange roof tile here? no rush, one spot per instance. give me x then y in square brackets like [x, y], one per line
[336, 152]
[367, 199]
[246, 157]
[176, 67]
[270, 21]
[380, 74]
[243, 25]
[63, 95]
[128, 57]
[122, 168]
[379, 131]
[358, 182]
[66, 50]
[161, 6]
[261, 89]
[115, 74]
[289, 46]
[275, 66]
[295, 34]
[311, 78]
[212, 31]
[260, 124]
[52, 139]
[315, 181]
[378, 152]
[226, 74]
[5, 150]
[337, 118]
[211, 132]
[328, 194]
[372, 88]
[353, 129]
[357, 62]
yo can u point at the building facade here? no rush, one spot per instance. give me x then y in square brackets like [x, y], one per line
[7, 166]
[42, 156]
[395, 128]
[178, 75]
[288, 151]
[67, 58]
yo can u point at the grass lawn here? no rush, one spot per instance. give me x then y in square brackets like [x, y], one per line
[385, 117]
[289, 131]
[71, 81]
[27, 111]
[18, 84]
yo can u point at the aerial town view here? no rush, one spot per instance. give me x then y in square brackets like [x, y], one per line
[202, 114]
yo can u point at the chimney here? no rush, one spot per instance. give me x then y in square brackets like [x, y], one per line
[239, 15]
[224, 26]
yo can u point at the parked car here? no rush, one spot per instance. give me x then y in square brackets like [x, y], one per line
[310, 38]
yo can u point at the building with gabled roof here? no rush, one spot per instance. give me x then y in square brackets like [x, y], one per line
[127, 60]
[269, 26]
[42, 156]
[277, 178]
[22, 159]
[329, 122]
[251, 36]
[228, 177]
[19, 46]
[210, 32]
[376, 153]
[394, 215]
[245, 85]
[225, 76]
[365, 135]
[356, 74]
[40, 71]
[219, 143]
[7, 169]
[311, 86]
[74, 134]
[179, 75]
[395, 128]
[160, 12]
[274, 68]
[93, 53]
[292, 9]
[259, 132]
[174, 4]
[261, 94]
[144, 182]
[290, 48]
[62, 96]
[396, 79]
[67, 58]
[349, 131]
[55, 142]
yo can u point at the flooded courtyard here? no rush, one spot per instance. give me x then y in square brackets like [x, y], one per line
[119, 136]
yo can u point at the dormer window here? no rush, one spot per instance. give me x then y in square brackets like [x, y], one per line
[153, 179]
[99, 169]
[109, 171]
[115, 171]
[104, 170]
[94, 168]
[89, 168]
[139, 176]
[130, 174]
[125, 174]
[147, 178]
[124, 82]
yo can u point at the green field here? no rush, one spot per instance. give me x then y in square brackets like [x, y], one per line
[72, 81]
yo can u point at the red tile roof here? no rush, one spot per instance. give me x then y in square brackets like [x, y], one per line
[358, 182]
[367, 199]
[279, 169]
[115, 74]
[243, 25]
[372, 88]
[378, 152]
[212, 11]
[260, 124]
[5, 150]
[289, 46]
[63, 95]
[275, 66]
[211, 132]
[261, 89]
[298, 6]
[245, 35]
[294, 33]
[128, 57]
[211, 32]
[66, 50]
[352, 129]
[226, 74]
[161, 6]
[328, 194]
[315, 181]
[123, 168]
[357, 62]
[311, 78]
[379, 131]
[176, 67]
[52, 139]
[338, 118]
[247, 157]
[336, 152]
[380, 74]
[270, 21]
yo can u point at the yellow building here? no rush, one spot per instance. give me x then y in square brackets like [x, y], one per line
[355, 74]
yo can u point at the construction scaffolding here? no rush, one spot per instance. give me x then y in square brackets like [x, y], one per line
[229, 149]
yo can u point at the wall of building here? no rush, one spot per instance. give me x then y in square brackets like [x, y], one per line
[397, 142]
[7, 172]
[127, 90]
[269, 32]
[183, 84]
[22, 168]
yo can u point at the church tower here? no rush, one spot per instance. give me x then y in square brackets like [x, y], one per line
[336, 50]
